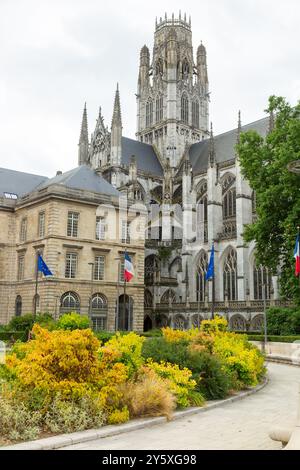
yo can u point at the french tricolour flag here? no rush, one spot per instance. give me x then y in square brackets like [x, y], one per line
[297, 256]
[128, 268]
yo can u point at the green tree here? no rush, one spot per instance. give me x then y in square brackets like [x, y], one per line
[264, 164]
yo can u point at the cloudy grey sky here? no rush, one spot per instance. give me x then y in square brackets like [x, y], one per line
[56, 54]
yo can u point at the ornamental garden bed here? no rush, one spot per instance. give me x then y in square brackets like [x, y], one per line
[65, 380]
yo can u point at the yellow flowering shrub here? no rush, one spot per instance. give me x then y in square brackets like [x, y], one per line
[240, 356]
[58, 361]
[214, 326]
[118, 416]
[201, 342]
[68, 364]
[126, 349]
[180, 380]
[174, 336]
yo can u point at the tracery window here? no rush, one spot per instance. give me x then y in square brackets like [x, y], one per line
[168, 296]
[184, 109]
[149, 113]
[151, 269]
[201, 273]
[229, 207]
[159, 108]
[230, 275]
[195, 113]
[262, 282]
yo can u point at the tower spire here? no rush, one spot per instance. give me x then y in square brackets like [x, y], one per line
[116, 131]
[117, 118]
[212, 152]
[83, 149]
[84, 136]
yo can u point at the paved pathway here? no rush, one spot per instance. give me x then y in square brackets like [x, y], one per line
[244, 424]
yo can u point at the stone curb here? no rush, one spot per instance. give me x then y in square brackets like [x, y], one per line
[65, 440]
[282, 360]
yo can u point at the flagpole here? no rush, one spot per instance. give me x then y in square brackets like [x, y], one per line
[213, 289]
[36, 283]
[124, 303]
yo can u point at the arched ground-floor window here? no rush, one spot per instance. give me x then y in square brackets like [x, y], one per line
[69, 302]
[99, 312]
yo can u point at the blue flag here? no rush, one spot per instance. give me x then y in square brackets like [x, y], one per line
[43, 267]
[210, 270]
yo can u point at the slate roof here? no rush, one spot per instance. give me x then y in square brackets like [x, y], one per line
[17, 182]
[146, 158]
[82, 177]
[224, 145]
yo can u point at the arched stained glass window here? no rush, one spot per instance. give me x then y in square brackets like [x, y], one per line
[230, 275]
[262, 282]
[184, 109]
[195, 113]
[149, 113]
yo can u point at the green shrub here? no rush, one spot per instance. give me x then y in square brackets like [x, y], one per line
[275, 338]
[46, 321]
[73, 321]
[283, 321]
[213, 381]
[155, 333]
[12, 336]
[22, 323]
[104, 336]
[159, 349]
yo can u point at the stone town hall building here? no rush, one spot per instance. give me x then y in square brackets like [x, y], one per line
[177, 167]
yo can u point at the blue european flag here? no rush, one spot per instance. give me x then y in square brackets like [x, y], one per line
[210, 270]
[43, 267]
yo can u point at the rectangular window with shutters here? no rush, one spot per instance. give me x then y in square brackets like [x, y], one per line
[99, 268]
[23, 230]
[100, 228]
[41, 225]
[72, 228]
[71, 265]
[21, 263]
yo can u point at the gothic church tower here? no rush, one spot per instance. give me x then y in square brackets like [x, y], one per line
[172, 95]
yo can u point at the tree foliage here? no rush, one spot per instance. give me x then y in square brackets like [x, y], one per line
[264, 163]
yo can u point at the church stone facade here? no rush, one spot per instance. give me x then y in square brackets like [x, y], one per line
[191, 184]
